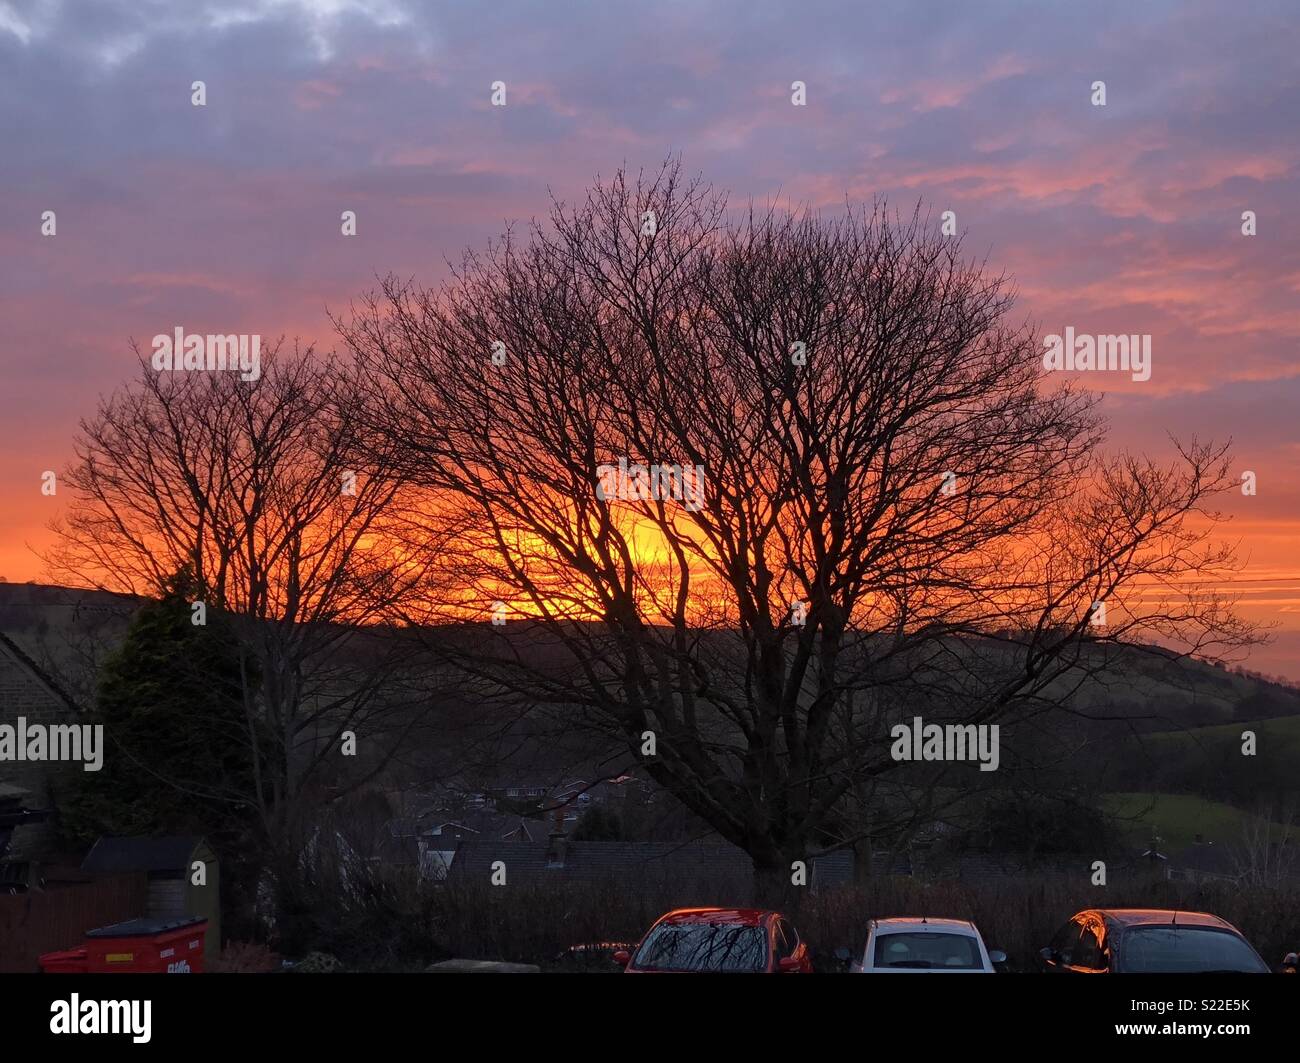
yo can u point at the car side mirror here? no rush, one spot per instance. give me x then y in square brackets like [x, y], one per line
[997, 956]
[622, 957]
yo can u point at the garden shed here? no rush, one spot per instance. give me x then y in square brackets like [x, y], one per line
[183, 876]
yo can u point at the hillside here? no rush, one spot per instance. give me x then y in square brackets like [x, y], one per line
[1146, 724]
[1178, 820]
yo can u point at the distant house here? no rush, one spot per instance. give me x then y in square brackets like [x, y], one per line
[14, 814]
[520, 792]
[1205, 862]
[171, 865]
[708, 867]
[431, 842]
[27, 691]
[573, 795]
[487, 824]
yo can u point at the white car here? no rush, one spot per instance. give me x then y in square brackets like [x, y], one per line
[925, 946]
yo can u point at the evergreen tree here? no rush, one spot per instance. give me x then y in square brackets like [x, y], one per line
[178, 749]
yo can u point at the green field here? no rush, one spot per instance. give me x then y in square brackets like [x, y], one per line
[1279, 738]
[1176, 818]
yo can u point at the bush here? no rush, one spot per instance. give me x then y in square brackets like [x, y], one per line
[245, 957]
[399, 924]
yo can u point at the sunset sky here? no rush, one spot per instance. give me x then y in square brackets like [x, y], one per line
[225, 218]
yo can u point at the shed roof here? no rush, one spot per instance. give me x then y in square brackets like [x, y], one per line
[169, 853]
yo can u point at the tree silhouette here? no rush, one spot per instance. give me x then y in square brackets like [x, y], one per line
[257, 491]
[902, 513]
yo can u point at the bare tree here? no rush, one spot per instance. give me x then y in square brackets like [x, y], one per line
[1265, 853]
[256, 490]
[900, 516]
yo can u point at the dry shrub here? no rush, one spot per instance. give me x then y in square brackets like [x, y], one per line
[245, 957]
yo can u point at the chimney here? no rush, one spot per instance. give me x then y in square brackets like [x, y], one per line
[557, 845]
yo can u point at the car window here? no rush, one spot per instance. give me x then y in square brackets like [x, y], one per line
[703, 947]
[1088, 952]
[1167, 949]
[784, 940]
[927, 951]
[1065, 942]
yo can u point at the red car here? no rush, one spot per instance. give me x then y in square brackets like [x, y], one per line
[719, 940]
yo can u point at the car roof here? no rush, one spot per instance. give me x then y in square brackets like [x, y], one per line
[739, 916]
[923, 925]
[1160, 917]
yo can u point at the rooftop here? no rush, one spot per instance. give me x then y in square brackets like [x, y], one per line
[169, 853]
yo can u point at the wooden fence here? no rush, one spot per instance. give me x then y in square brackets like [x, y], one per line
[41, 921]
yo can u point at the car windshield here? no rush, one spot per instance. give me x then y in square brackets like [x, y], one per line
[703, 947]
[1169, 949]
[951, 952]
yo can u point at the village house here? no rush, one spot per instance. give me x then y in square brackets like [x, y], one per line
[28, 691]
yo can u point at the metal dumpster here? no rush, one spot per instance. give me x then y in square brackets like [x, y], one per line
[137, 946]
[69, 961]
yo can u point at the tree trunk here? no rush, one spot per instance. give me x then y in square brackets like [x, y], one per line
[775, 885]
[862, 862]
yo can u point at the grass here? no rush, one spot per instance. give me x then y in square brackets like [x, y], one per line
[1176, 818]
[1279, 738]
[1211, 762]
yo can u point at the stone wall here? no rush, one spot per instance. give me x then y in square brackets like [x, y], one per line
[23, 694]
